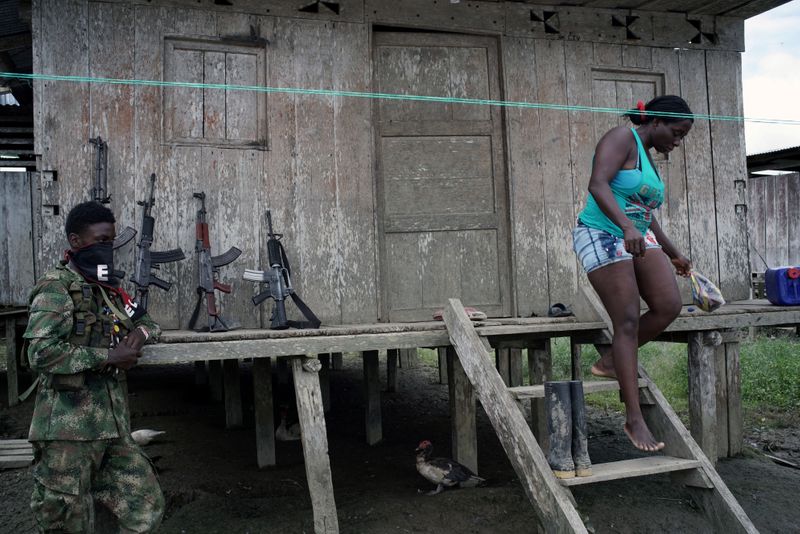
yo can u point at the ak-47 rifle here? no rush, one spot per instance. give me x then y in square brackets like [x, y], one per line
[147, 260]
[279, 285]
[208, 270]
[100, 190]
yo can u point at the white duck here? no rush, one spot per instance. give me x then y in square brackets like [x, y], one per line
[144, 436]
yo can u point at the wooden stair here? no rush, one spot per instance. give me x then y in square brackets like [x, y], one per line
[15, 453]
[550, 497]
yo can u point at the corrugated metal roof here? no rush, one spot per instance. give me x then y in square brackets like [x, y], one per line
[728, 8]
[9, 18]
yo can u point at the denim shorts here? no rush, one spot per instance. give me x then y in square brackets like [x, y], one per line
[597, 248]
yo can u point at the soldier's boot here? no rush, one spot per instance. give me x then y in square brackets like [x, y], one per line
[557, 405]
[580, 446]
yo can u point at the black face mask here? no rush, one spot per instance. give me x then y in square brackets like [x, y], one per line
[96, 262]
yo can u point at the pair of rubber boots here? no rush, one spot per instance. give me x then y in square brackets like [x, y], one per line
[568, 454]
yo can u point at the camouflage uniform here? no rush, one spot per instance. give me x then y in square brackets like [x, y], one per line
[81, 425]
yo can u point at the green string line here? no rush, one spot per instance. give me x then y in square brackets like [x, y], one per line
[384, 96]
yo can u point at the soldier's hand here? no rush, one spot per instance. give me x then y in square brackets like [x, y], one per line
[135, 339]
[123, 356]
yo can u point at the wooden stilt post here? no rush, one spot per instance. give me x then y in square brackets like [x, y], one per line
[514, 367]
[442, 353]
[721, 393]
[540, 370]
[575, 352]
[324, 381]
[702, 390]
[233, 394]
[200, 374]
[336, 361]
[12, 370]
[734, 389]
[391, 370]
[408, 358]
[501, 358]
[264, 414]
[464, 434]
[315, 444]
[372, 397]
[215, 379]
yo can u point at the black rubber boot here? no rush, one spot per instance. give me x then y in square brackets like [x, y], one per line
[557, 405]
[580, 446]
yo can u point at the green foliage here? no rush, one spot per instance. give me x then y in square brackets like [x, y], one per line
[771, 373]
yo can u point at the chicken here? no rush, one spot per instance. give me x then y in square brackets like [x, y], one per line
[443, 472]
[145, 436]
[286, 432]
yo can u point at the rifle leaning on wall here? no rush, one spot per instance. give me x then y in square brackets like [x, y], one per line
[100, 190]
[147, 260]
[208, 270]
[279, 285]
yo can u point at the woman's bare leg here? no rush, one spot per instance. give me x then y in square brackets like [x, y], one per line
[656, 281]
[616, 285]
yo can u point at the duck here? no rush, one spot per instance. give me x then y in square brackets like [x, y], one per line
[144, 436]
[286, 432]
[443, 472]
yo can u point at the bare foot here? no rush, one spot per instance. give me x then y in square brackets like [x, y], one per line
[641, 437]
[604, 367]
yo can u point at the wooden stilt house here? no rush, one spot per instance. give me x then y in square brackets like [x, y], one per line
[388, 206]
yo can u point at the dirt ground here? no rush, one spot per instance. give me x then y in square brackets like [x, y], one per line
[212, 485]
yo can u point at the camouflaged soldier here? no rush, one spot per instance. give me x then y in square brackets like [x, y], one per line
[84, 332]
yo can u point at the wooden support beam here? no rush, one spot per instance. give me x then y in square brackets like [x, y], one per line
[540, 370]
[503, 364]
[391, 370]
[336, 360]
[215, 379]
[721, 395]
[575, 357]
[702, 390]
[551, 502]
[734, 380]
[408, 358]
[12, 369]
[372, 397]
[464, 433]
[315, 446]
[324, 381]
[442, 354]
[233, 394]
[264, 412]
[200, 374]
[514, 367]
[283, 371]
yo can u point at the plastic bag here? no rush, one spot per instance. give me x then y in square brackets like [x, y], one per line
[705, 294]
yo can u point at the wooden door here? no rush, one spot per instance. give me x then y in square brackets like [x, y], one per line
[442, 197]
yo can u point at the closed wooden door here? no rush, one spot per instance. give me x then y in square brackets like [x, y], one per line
[442, 190]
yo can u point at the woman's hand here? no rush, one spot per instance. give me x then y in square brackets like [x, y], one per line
[682, 265]
[634, 241]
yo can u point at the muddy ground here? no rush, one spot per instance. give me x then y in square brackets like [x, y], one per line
[212, 484]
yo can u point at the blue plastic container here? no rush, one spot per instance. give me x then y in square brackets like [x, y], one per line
[783, 286]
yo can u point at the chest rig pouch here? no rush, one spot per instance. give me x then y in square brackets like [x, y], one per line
[91, 327]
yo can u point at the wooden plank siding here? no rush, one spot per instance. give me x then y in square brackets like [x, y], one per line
[314, 160]
[773, 220]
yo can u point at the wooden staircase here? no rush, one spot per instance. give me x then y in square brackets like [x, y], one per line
[554, 504]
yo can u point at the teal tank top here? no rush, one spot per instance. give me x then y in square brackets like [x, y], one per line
[637, 191]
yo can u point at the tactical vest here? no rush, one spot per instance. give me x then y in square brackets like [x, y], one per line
[91, 327]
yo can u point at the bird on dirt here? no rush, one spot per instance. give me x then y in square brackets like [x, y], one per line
[443, 472]
[145, 436]
[286, 432]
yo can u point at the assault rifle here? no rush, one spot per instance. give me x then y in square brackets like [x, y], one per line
[279, 285]
[100, 190]
[147, 260]
[208, 270]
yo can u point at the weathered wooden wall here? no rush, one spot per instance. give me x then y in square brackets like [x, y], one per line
[773, 220]
[312, 160]
[17, 274]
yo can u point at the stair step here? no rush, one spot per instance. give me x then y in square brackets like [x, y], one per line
[537, 392]
[637, 467]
